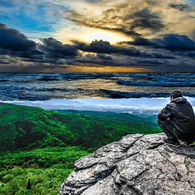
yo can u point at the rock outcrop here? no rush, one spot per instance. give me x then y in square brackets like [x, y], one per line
[135, 165]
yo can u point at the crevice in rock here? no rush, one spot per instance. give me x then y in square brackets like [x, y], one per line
[118, 185]
[101, 176]
[75, 190]
[116, 169]
[156, 145]
[131, 154]
[86, 167]
[140, 174]
[127, 148]
[159, 169]
[186, 165]
[137, 191]
[178, 174]
[106, 173]
[190, 183]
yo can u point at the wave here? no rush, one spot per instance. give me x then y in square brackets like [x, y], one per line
[119, 94]
[47, 77]
[161, 84]
[53, 77]
[74, 76]
[3, 80]
[24, 93]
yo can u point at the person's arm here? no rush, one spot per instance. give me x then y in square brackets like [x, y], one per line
[165, 112]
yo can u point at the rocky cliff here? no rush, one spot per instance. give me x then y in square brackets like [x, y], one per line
[134, 165]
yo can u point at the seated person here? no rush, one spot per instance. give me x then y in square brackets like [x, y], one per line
[177, 120]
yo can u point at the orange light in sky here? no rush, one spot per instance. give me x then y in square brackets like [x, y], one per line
[96, 69]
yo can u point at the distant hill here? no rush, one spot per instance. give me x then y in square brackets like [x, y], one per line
[23, 127]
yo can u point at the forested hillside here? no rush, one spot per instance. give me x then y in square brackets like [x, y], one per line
[39, 147]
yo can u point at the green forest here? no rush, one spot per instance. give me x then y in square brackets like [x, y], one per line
[38, 147]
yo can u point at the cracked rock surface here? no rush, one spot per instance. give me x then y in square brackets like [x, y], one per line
[135, 165]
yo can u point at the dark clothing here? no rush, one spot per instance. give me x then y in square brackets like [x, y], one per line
[182, 118]
[169, 130]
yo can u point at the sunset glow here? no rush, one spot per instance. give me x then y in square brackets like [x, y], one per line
[58, 35]
[102, 36]
[106, 36]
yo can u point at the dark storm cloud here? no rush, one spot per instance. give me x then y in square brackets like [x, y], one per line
[14, 43]
[104, 47]
[121, 18]
[171, 42]
[104, 57]
[55, 49]
[181, 7]
[190, 54]
[176, 42]
[100, 46]
[52, 53]
[152, 61]
[92, 60]
[140, 41]
[12, 39]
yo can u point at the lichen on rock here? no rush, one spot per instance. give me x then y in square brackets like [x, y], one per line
[137, 164]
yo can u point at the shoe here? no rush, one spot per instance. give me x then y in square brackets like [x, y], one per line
[172, 142]
[190, 143]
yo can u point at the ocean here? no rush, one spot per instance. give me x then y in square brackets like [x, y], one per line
[116, 92]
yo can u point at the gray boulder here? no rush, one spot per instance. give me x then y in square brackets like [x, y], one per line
[135, 165]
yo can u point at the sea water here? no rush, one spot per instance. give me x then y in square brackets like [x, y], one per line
[116, 92]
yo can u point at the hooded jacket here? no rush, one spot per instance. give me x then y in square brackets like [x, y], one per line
[181, 115]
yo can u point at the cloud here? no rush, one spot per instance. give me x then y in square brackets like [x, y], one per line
[100, 46]
[176, 42]
[104, 57]
[146, 19]
[141, 18]
[140, 41]
[55, 49]
[104, 47]
[14, 43]
[102, 23]
[122, 18]
[172, 42]
[182, 7]
[51, 53]
[12, 39]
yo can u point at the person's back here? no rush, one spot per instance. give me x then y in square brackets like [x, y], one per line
[182, 119]
[182, 116]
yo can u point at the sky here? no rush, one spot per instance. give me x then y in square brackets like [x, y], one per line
[97, 36]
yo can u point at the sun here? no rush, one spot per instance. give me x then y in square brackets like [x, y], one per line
[103, 36]
[88, 35]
